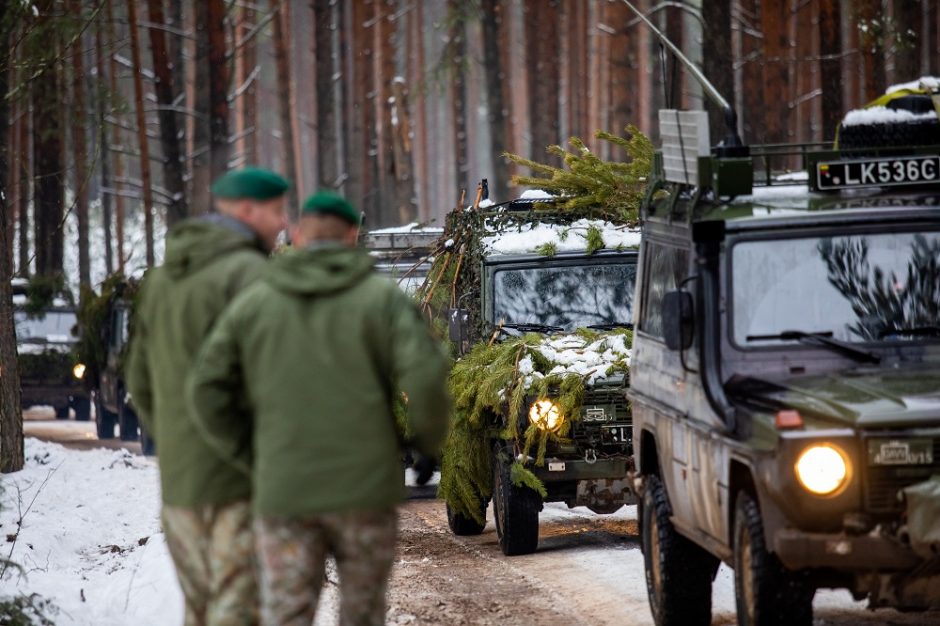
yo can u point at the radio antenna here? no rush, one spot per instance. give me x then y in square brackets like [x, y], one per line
[732, 139]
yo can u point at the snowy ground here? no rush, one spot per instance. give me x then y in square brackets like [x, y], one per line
[90, 541]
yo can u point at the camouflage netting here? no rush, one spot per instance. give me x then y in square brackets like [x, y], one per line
[93, 313]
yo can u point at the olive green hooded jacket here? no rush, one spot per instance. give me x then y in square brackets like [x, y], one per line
[208, 261]
[314, 354]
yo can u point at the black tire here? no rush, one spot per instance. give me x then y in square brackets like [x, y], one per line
[462, 525]
[147, 445]
[105, 420]
[678, 572]
[859, 139]
[127, 419]
[765, 592]
[516, 512]
[82, 406]
[62, 412]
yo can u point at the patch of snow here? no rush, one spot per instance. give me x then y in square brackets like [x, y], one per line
[930, 83]
[801, 176]
[413, 227]
[883, 115]
[19, 299]
[536, 194]
[449, 243]
[486, 203]
[575, 355]
[566, 238]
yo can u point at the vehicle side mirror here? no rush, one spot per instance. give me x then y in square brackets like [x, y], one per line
[458, 322]
[678, 320]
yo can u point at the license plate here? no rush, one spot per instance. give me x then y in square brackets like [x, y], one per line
[915, 170]
[615, 434]
[595, 414]
[900, 452]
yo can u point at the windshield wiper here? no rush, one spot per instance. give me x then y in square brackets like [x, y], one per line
[821, 339]
[911, 330]
[611, 325]
[531, 327]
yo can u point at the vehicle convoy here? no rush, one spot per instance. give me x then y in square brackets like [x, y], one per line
[538, 305]
[785, 375]
[50, 372]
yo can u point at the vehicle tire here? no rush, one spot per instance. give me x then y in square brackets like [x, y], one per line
[765, 592]
[147, 445]
[678, 572]
[105, 420]
[516, 512]
[127, 419]
[82, 406]
[858, 139]
[62, 412]
[462, 525]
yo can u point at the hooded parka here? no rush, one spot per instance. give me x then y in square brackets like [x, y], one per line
[314, 354]
[208, 261]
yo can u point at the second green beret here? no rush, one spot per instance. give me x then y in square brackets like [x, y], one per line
[327, 202]
[254, 183]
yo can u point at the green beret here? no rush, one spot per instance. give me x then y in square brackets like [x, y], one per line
[253, 183]
[327, 202]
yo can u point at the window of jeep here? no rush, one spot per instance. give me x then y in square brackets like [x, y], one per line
[865, 287]
[667, 267]
[571, 296]
[51, 326]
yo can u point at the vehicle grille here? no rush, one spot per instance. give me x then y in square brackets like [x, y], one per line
[591, 431]
[883, 484]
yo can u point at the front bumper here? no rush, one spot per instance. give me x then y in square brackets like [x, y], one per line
[562, 470]
[874, 551]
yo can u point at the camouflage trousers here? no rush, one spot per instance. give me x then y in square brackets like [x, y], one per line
[213, 550]
[293, 552]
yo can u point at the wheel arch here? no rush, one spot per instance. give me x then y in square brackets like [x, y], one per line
[649, 455]
[740, 478]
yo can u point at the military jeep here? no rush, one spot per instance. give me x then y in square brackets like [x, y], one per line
[785, 379]
[565, 310]
[50, 371]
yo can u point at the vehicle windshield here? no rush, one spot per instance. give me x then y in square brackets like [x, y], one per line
[869, 287]
[566, 296]
[51, 326]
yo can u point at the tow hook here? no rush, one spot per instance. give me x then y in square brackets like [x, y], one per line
[590, 456]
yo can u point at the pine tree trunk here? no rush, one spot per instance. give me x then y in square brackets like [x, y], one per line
[12, 178]
[79, 119]
[24, 173]
[872, 47]
[11, 416]
[118, 158]
[458, 41]
[907, 15]
[48, 170]
[142, 140]
[201, 160]
[285, 100]
[541, 25]
[174, 18]
[360, 112]
[218, 89]
[495, 99]
[830, 65]
[775, 122]
[249, 98]
[324, 24]
[717, 63]
[169, 131]
[105, 153]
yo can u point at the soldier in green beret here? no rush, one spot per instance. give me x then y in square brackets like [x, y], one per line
[206, 511]
[315, 352]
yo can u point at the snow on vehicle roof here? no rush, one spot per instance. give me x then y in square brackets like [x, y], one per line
[883, 115]
[573, 354]
[924, 82]
[528, 238]
[536, 194]
[413, 227]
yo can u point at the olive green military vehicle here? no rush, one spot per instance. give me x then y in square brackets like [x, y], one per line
[563, 312]
[50, 371]
[785, 380]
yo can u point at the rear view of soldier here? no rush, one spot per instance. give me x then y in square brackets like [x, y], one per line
[315, 352]
[206, 512]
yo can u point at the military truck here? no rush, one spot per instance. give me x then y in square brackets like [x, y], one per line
[50, 372]
[785, 378]
[540, 322]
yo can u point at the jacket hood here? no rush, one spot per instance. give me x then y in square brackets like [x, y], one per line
[194, 243]
[317, 271]
[865, 398]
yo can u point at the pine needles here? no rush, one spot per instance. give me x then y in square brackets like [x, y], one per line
[613, 189]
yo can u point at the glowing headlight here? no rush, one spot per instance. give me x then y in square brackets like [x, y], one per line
[79, 370]
[822, 469]
[545, 414]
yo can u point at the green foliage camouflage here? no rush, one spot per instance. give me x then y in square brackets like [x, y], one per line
[42, 292]
[610, 189]
[94, 318]
[31, 610]
[50, 367]
[491, 399]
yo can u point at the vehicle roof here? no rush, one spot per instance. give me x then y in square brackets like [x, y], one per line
[496, 259]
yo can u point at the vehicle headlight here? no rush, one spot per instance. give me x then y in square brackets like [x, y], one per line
[79, 370]
[822, 469]
[546, 415]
